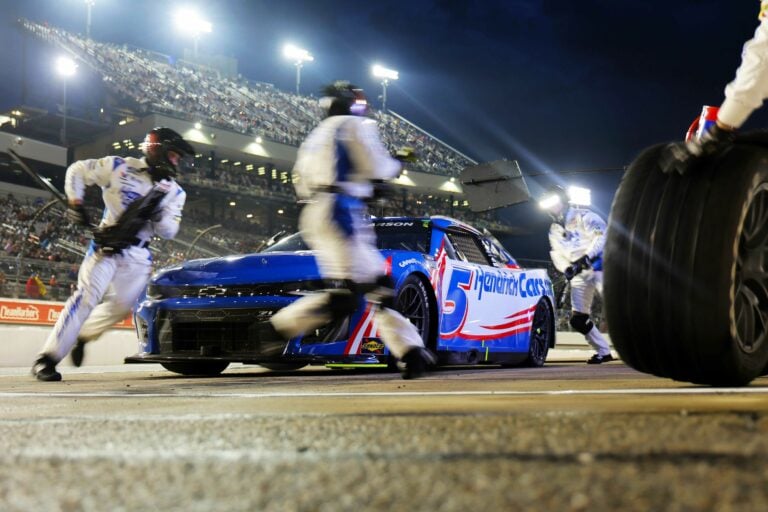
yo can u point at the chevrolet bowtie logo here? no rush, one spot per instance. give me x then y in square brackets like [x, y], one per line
[211, 291]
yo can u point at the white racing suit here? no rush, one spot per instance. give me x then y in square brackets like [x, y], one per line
[582, 233]
[108, 285]
[749, 88]
[335, 166]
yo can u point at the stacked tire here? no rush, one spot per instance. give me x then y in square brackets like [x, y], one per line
[686, 266]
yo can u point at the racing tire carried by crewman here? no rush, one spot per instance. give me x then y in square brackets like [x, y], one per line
[686, 266]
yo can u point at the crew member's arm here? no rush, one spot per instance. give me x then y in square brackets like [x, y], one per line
[84, 173]
[596, 227]
[369, 155]
[750, 87]
[168, 220]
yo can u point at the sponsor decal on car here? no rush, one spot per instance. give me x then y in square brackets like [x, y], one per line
[373, 346]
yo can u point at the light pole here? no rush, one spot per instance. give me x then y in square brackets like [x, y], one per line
[190, 22]
[88, 4]
[65, 67]
[299, 56]
[385, 75]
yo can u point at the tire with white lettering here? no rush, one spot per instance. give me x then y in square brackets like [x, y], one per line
[542, 333]
[685, 267]
[197, 368]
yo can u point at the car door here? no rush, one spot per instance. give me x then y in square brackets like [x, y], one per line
[482, 304]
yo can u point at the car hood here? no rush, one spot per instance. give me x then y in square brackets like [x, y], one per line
[242, 269]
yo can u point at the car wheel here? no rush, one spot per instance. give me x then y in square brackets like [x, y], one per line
[413, 302]
[202, 368]
[282, 367]
[686, 273]
[542, 334]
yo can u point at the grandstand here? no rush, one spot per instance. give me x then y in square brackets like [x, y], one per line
[239, 186]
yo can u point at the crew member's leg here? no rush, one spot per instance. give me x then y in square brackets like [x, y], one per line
[95, 274]
[582, 294]
[134, 267]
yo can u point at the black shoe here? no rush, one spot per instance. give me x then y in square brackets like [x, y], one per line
[598, 359]
[78, 352]
[415, 362]
[45, 369]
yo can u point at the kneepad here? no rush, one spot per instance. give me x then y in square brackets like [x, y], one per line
[581, 322]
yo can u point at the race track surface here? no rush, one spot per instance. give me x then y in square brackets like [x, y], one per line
[564, 437]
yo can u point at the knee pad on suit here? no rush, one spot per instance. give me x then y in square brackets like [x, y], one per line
[581, 322]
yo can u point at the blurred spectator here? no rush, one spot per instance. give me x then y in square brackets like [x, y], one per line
[35, 288]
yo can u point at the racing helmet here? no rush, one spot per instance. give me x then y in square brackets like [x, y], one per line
[163, 149]
[554, 201]
[341, 98]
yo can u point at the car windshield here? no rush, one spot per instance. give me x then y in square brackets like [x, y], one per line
[405, 235]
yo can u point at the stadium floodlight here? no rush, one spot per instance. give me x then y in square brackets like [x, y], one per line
[65, 67]
[580, 196]
[299, 56]
[190, 22]
[385, 75]
[88, 5]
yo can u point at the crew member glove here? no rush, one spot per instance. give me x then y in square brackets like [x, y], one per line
[680, 157]
[76, 214]
[577, 266]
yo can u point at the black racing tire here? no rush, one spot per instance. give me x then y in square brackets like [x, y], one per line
[414, 301]
[542, 334]
[685, 267]
[283, 367]
[201, 368]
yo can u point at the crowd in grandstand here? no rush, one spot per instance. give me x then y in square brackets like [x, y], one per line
[154, 82]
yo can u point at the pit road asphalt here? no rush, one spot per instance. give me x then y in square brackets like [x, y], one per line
[567, 436]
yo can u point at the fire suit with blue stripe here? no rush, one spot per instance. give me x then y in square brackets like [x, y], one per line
[108, 285]
[582, 233]
[335, 167]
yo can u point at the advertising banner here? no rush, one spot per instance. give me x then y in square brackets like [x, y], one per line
[33, 312]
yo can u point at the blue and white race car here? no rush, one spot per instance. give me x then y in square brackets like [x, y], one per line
[463, 291]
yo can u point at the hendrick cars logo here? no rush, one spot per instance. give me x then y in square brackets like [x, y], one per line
[515, 284]
[53, 315]
[30, 313]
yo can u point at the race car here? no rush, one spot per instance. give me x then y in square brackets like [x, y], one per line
[463, 291]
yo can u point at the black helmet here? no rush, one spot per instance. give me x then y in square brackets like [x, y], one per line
[157, 146]
[341, 98]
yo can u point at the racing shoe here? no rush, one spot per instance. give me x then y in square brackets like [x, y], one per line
[78, 352]
[45, 369]
[414, 364]
[598, 359]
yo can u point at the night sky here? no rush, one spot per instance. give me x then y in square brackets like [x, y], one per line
[559, 85]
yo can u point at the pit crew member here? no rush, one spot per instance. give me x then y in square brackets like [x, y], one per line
[576, 238]
[118, 262]
[337, 165]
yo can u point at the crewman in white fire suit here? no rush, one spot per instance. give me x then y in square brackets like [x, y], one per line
[113, 274]
[743, 95]
[750, 87]
[577, 238]
[337, 165]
